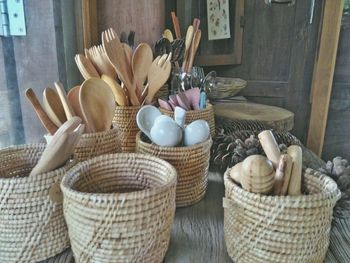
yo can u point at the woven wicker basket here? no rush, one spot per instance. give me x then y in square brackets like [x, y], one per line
[192, 115]
[120, 208]
[226, 87]
[279, 229]
[125, 120]
[32, 225]
[94, 144]
[191, 164]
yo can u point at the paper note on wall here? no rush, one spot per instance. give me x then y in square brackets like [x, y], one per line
[218, 19]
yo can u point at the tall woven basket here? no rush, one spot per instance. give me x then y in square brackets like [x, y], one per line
[120, 208]
[32, 225]
[206, 114]
[125, 120]
[279, 229]
[191, 164]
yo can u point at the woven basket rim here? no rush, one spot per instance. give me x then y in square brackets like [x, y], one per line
[70, 178]
[330, 193]
[207, 108]
[128, 107]
[92, 134]
[174, 148]
[38, 177]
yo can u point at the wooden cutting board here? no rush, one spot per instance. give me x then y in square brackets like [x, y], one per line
[278, 118]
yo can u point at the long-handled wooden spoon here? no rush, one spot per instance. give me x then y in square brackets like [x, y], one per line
[188, 41]
[194, 47]
[43, 117]
[63, 97]
[53, 107]
[97, 104]
[73, 99]
[141, 62]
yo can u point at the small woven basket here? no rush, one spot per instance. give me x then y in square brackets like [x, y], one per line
[32, 225]
[226, 87]
[279, 229]
[191, 164]
[206, 114]
[125, 120]
[120, 208]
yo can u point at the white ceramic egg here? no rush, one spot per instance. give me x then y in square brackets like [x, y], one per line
[196, 132]
[166, 133]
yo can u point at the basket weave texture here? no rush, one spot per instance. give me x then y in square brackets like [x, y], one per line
[226, 87]
[98, 143]
[32, 226]
[125, 120]
[278, 229]
[191, 164]
[120, 208]
[206, 114]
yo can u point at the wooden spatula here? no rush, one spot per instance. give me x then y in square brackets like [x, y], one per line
[63, 97]
[40, 112]
[53, 107]
[60, 148]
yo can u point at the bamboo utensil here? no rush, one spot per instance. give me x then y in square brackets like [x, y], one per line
[188, 41]
[100, 61]
[63, 97]
[294, 187]
[141, 62]
[85, 67]
[270, 146]
[60, 148]
[40, 112]
[280, 174]
[97, 104]
[167, 34]
[116, 56]
[73, 99]
[176, 24]
[128, 53]
[53, 107]
[287, 174]
[158, 74]
[194, 46]
[118, 92]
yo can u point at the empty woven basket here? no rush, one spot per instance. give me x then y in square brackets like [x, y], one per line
[32, 226]
[279, 229]
[191, 164]
[120, 208]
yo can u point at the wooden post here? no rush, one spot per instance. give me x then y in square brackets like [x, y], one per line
[323, 74]
[89, 15]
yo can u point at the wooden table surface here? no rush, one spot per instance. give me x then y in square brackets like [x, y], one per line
[197, 234]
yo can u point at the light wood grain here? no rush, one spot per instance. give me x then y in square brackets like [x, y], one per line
[278, 118]
[323, 74]
[89, 16]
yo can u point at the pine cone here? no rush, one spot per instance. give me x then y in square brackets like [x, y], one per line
[227, 151]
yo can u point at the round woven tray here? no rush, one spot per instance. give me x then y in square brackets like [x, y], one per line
[125, 120]
[278, 229]
[120, 208]
[32, 225]
[226, 87]
[191, 164]
[206, 114]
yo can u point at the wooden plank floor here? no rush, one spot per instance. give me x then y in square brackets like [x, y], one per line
[197, 234]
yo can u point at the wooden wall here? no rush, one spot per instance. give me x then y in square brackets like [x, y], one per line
[146, 18]
[337, 141]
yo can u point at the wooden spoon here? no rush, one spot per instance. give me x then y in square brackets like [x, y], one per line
[141, 62]
[97, 104]
[40, 112]
[128, 53]
[60, 147]
[194, 46]
[63, 97]
[167, 34]
[53, 107]
[73, 99]
[85, 67]
[188, 41]
[118, 91]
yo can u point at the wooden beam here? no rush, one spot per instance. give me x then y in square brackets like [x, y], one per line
[323, 74]
[89, 13]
